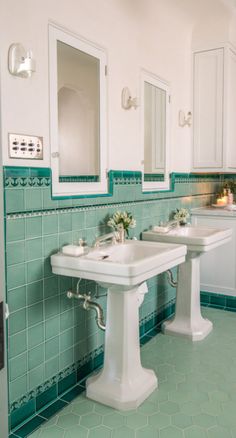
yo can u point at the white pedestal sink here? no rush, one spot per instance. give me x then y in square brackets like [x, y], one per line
[122, 383]
[188, 321]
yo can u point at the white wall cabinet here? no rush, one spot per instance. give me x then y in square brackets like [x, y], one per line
[218, 267]
[214, 109]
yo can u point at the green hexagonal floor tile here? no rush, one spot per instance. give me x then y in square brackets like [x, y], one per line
[159, 420]
[195, 432]
[100, 432]
[181, 420]
[205, 420]
[220, 432]
[171, 432]
[123, 432]
[137, 420]
[68, 420]
[169, 408]
[91, 420]
[76, 431]
[114, 420]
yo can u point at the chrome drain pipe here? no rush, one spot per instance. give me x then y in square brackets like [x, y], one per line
[87, 304]
[170, 278]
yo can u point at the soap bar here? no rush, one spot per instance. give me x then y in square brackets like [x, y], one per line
[161, 230]
[73, 250]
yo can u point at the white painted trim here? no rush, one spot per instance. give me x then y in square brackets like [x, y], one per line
[3, 372]
[76, 188]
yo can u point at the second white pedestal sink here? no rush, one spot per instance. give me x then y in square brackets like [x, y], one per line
[188, 321]
[122, 383]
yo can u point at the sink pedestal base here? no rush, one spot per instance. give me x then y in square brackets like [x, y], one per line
[122, 383]
[188, 321]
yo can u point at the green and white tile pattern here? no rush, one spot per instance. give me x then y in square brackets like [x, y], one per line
[195, 399]
[48, 334]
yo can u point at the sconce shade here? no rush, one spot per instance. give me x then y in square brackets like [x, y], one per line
[20, 62]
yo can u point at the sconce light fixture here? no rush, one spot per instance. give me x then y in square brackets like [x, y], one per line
[185, 120]
[20, 61]
[127, 101]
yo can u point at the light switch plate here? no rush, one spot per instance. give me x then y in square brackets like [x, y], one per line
[28, 147]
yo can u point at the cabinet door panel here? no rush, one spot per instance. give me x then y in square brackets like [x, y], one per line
[208, 109]
[218, 267]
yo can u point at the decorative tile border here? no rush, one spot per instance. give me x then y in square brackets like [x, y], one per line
[81, 178]
[27, 182]
[41, 177]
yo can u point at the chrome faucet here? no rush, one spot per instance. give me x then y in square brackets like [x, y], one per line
[105, 238]
[170, 224]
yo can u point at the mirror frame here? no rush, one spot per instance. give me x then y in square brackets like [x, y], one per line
[64, 189]
[154, 185]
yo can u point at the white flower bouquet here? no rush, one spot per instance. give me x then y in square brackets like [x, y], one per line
[181, 215]
[122, 221]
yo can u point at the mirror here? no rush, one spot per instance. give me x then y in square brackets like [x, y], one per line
[78, 115]
[155, 102]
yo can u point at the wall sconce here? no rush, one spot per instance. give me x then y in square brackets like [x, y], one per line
[127, 101]
[20, 62]
[185, 120]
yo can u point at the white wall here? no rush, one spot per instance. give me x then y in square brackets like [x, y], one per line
[152, 34]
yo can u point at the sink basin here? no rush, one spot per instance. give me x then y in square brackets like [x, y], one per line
[188, 321]
[126, 264]
[122, 383]
[200, 239]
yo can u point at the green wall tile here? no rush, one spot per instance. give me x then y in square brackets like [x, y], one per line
[48, 202]
[17, 321]
[34, 270]
[46, 397]
[35, 356]
[35, 314]
[15, 229]
[36, 377]
[16, 276]
[66, 340]
[51, 307]
[65, 222]
[78, 220]
[18, 366]
[34, 292]
[33, 199]
[35, 335]
[16, 298]
[51, 286]
[66, 319]
[15, 200]
[50, 224]
[34, 248]
[65, 239]
[15, 252]
[33, 227]
[51, 367]
[17, 344]
[21, 414]
[51, 348]
[18, 388]
[50, 245]
[52, 327]
[66, 358]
